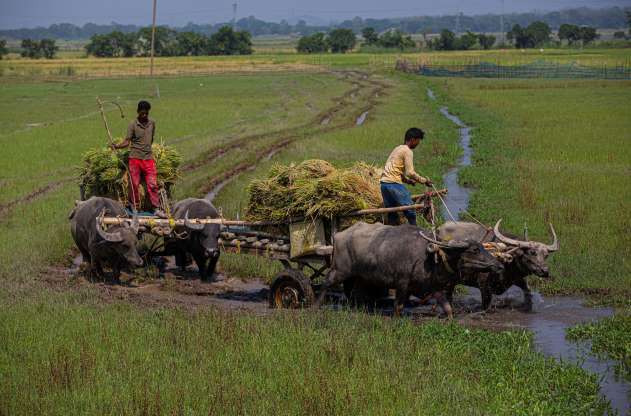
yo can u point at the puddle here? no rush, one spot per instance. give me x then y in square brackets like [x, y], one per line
[361, 118]
[551, 315]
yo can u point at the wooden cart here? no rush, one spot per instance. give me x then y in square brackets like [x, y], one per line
[306, 253]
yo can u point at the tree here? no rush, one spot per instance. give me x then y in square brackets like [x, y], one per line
[395, 39]
[112, 44]
[342, 40]
[229, 42]
[30, 49]
[370, 35]
[588, 34]
[536, 34]
[446, 41]
[568, 32]
[165, 42]
[47, 48]
[191, 43]
[466, 41]
[3, 48]
[539, 32]
[315, 43]
[628, 16]
[486, 41]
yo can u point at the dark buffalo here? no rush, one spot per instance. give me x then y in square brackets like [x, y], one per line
[115, 246]
[402, 258]
[200, 241]
[526, 258]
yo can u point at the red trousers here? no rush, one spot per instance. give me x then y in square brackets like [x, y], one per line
[146, 167]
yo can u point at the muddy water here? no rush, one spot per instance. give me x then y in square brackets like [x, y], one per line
[457, 199]
[551, 315]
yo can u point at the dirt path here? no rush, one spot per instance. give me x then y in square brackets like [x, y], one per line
[7, 208]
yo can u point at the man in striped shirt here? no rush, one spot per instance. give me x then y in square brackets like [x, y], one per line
[399, 169]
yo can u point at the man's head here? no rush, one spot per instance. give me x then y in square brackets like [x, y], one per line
[143, 110]
[413, 137]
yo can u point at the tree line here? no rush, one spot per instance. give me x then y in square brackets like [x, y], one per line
[169, 42]
[613, 17]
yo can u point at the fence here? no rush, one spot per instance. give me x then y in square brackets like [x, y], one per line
[539, 69]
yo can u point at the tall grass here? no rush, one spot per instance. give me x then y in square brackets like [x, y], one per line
[66, 358]
[555, 151]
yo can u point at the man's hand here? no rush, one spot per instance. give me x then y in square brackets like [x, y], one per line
[113, 146]
[429, 183]
[409, 181]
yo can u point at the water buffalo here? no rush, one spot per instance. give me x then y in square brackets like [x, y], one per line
[115, 246]
[527, 257]
[402, 258]
[200, 240]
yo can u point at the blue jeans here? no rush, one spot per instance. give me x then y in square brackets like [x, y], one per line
[397, 195]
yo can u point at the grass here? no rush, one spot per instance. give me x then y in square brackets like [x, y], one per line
[277, 55]
[609, 338]
[68, 357]
[71, 353]
[554, 151]
[55, 123]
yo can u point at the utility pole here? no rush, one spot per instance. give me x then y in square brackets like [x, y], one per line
[502, 40]
[153, 37]
[234, 16]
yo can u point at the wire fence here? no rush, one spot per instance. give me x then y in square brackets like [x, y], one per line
[546, 70]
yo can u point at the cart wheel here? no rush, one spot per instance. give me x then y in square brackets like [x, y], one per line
[290, 289]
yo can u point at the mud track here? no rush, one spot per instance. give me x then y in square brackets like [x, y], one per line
[7, 208]
[363, 87]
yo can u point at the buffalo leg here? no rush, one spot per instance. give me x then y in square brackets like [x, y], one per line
[444, 303]
[400, 298]
[210, 269]
[201, 265]
[487, 296]
[523, 285]
[333, 278]
[180, 260]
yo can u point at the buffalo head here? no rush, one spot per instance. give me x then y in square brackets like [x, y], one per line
[206, 234]
[473, 257]
[123, 241]
[529, 256]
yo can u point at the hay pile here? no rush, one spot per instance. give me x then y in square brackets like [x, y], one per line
[313, 189]
[103, 171]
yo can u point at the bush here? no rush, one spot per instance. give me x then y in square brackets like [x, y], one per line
[315, 43]
[342, 40]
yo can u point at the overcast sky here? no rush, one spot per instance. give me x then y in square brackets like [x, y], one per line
[31, 13]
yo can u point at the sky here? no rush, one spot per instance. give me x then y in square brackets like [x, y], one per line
[32, 13]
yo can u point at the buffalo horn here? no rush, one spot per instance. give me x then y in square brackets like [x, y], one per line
[555, 244]
[450, 244]
[111, 237]
[190, 225]
[508, 240]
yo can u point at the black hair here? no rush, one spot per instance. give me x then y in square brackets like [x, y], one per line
[414, 133]
[143, 106]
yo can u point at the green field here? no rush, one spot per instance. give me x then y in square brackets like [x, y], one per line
[65, 350]
[555, 151]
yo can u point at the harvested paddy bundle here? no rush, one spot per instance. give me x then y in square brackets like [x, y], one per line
[103, 171]
[313, 189]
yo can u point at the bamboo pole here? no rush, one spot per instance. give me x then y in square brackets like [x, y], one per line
[107, 127]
